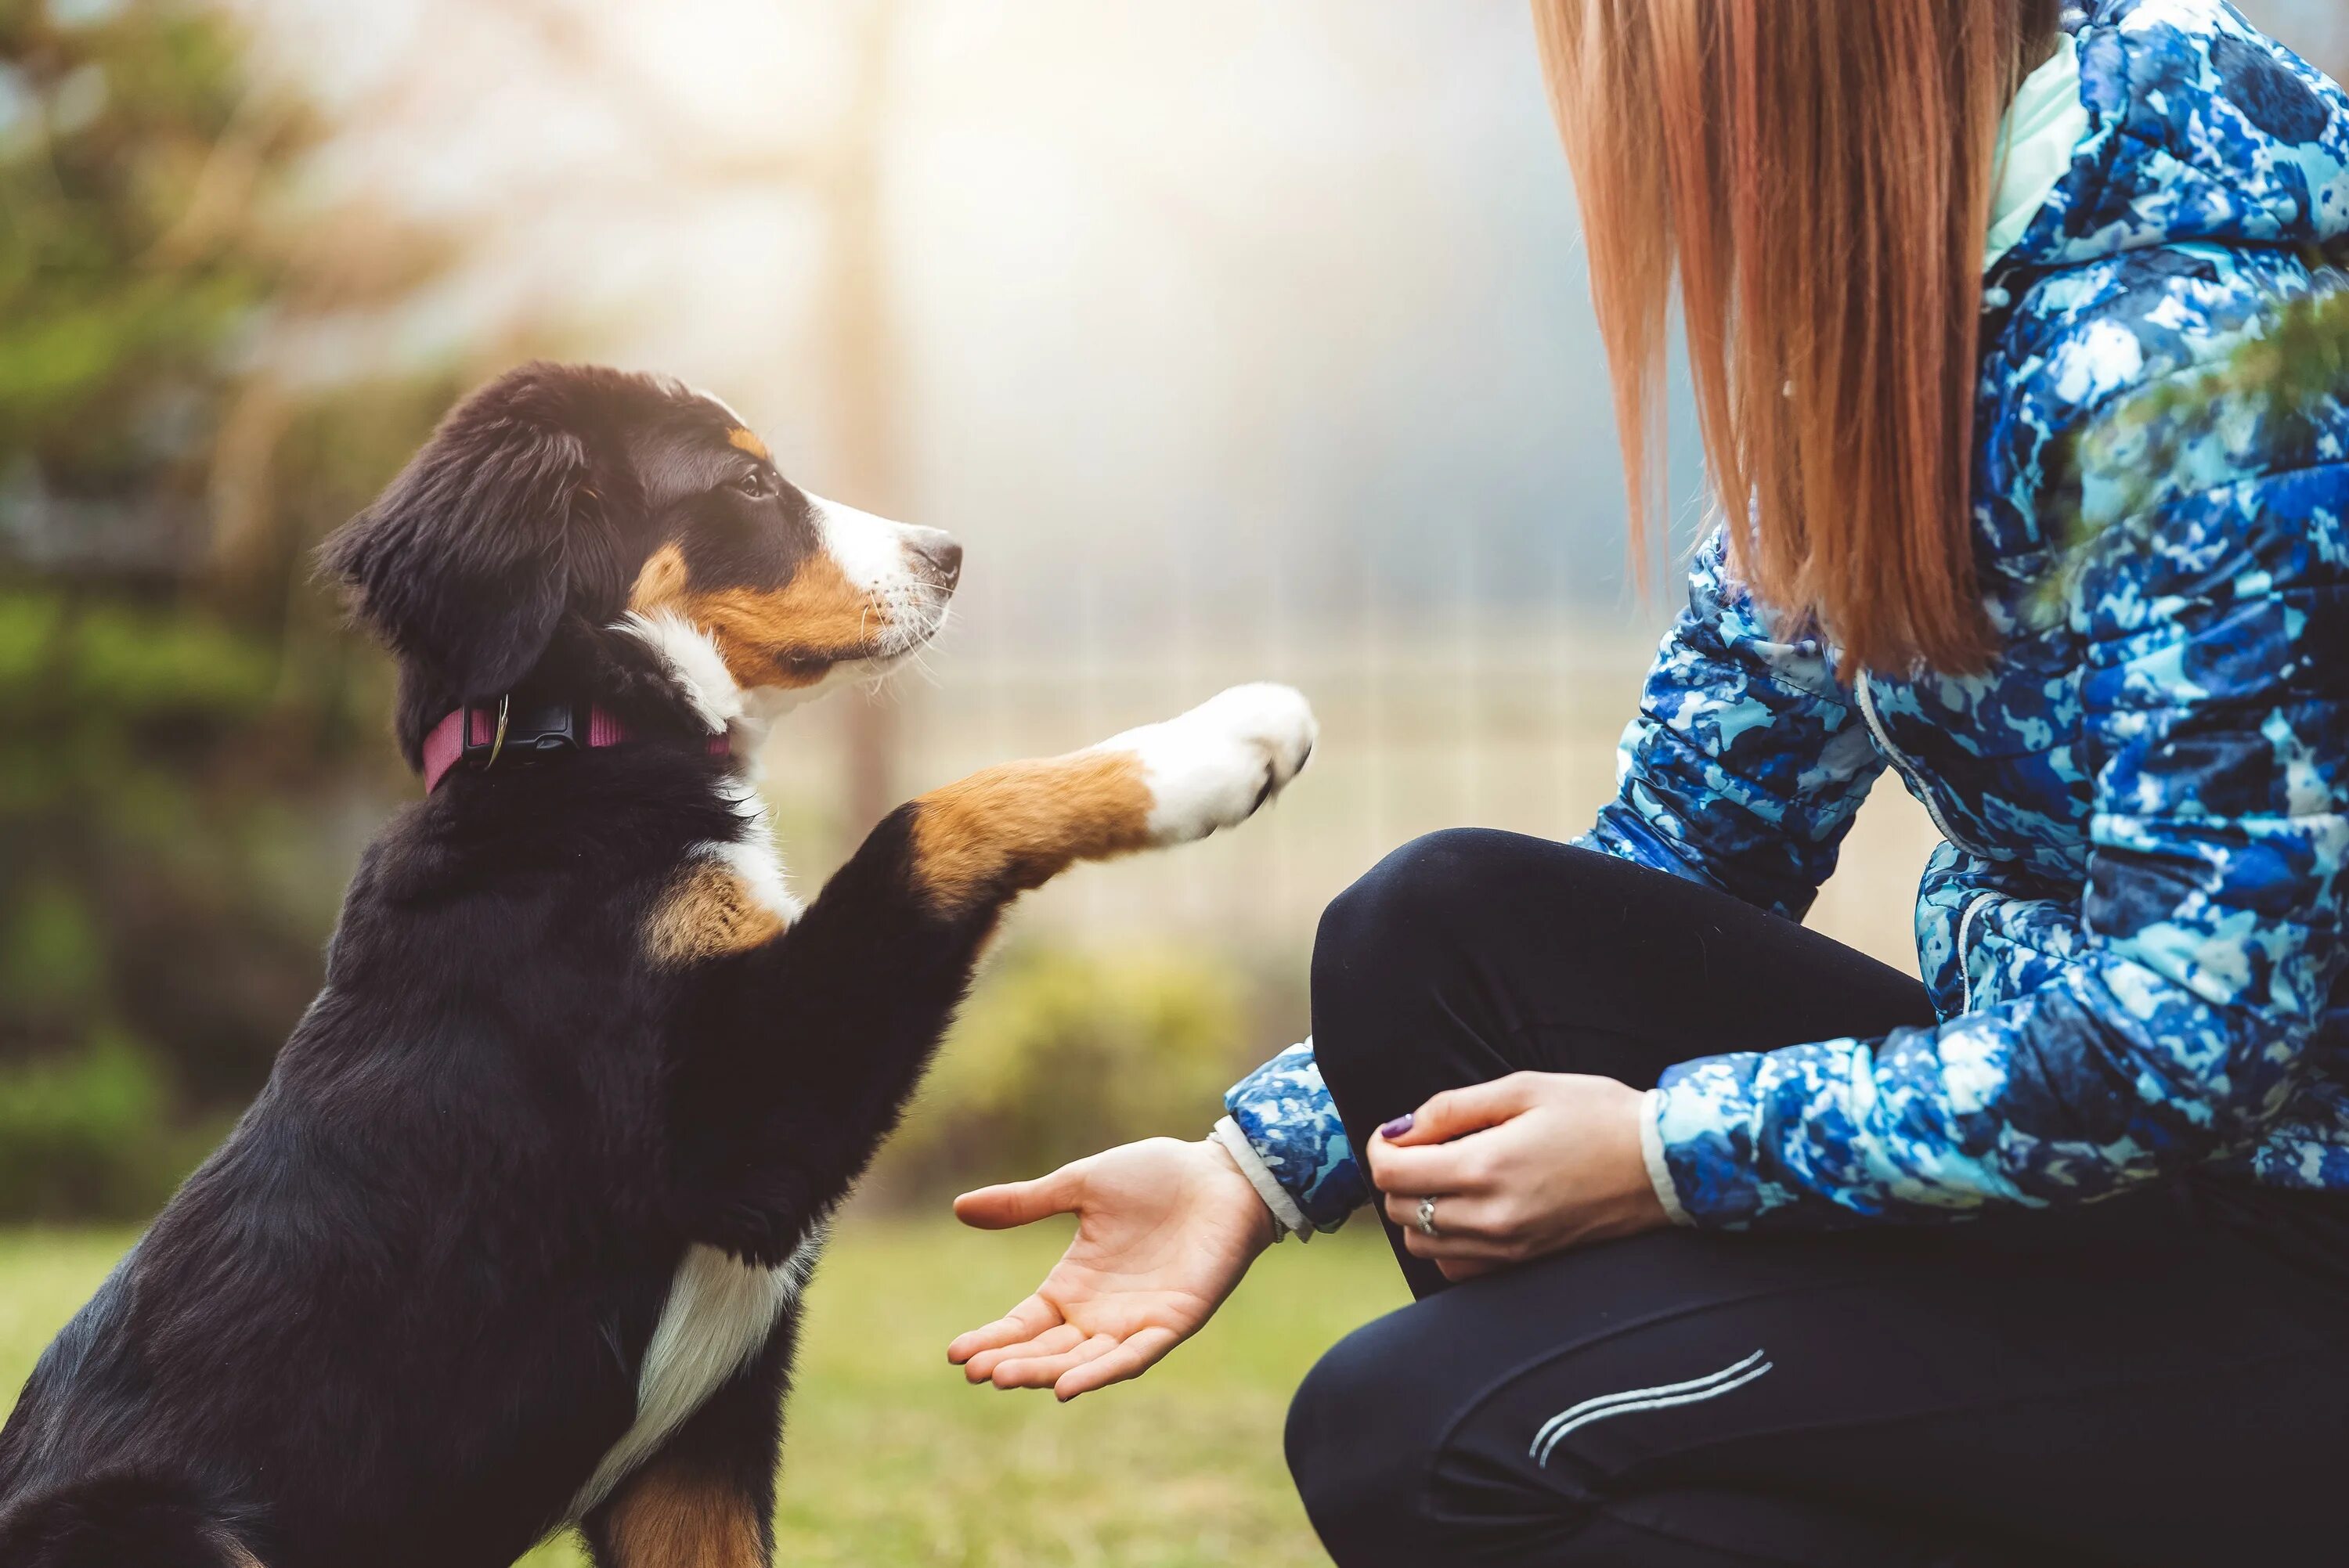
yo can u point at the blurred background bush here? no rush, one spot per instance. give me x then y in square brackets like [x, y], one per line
[1237, 340]
[1066, 1050]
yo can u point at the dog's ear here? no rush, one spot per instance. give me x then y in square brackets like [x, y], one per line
[469, 558]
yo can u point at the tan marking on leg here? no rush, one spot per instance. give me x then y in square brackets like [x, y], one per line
[661, 582]
[790, 635]
[707, 913]
[667, 1517]
[744, 440]
[1016, 827]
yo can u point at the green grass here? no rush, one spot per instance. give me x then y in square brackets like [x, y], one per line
[889, 1458]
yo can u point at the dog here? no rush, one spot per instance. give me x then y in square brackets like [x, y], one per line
[514, 1238]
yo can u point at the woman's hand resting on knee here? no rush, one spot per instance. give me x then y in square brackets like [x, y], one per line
[1520, 1166]
[1165, 1229]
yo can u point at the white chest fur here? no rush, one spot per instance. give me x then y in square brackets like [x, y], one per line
[719, 1313]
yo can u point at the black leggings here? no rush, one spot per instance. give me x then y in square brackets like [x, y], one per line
[2162, 1378]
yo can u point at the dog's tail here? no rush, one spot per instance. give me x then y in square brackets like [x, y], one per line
[120, 1522]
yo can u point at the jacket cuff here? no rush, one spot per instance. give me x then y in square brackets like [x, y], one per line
[1260, 1175]
[1284, 1112]
[1704, 1117]
[1651, 1152]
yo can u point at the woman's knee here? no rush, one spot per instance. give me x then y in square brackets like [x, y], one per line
[1375, 1446]
[1392, 907]
[1398, 941]
[1380, 955]
[1359, 1445]
[1397, 926]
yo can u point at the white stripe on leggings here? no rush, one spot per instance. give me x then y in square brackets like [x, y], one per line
[1709, 1386]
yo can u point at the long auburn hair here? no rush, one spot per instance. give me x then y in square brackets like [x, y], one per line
[1816, 175]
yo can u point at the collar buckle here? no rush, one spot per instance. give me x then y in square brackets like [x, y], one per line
[530, 729]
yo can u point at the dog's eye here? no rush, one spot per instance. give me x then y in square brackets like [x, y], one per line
[756, 484]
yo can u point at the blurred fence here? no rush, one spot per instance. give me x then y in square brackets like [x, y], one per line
[1424, 725]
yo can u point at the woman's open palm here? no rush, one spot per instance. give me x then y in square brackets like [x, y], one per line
[1165, 1229]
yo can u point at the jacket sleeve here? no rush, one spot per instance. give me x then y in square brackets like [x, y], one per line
[1744, 769]
[1747, 762]
[2214, 726]
[1285, 1112]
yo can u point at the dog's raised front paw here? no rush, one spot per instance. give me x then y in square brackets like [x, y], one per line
[1214, 766]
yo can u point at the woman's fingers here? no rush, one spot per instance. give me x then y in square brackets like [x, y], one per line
[1458, 1215]
[1443, 1149]
[1135, 1353]
[1435, 1169]
[981, 1366]
[1043, 1371]
[1441, 1247]
[1478, 1228]
[1459, 1111]
[1024, 1322]
[1013, 1203]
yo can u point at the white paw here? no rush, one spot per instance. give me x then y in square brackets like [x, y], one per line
[1214, 766]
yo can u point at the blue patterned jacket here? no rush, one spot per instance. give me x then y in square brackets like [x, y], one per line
[2132, 933]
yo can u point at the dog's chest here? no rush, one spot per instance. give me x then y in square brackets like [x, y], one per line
[719, 1314]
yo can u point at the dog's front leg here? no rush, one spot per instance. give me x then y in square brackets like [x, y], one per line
[808, 1045]
[973, 846]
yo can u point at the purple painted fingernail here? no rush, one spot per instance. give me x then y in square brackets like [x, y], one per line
[1399, 1126]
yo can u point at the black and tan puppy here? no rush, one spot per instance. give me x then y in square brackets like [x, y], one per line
[514, 1236]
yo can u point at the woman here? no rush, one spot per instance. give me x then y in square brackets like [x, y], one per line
[1930, 253]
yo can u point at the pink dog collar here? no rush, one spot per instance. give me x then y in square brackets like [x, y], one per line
[481, 731]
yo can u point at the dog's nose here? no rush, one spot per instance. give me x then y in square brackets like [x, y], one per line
[937, 549]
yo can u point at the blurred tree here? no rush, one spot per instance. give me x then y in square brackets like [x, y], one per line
[127, 144]
[177, 719]
[842, 171]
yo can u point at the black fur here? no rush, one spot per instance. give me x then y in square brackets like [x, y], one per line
[397, 1317]
[471, 609]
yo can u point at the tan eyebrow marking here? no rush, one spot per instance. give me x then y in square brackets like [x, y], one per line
[661, 582]
[744, 441]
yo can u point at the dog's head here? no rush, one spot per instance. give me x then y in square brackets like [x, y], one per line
[569, 494]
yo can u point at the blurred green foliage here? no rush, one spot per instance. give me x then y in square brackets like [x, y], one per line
[187, 759]
[1062, 1052]
[126, 262]
[92, 1134]
[146, 785]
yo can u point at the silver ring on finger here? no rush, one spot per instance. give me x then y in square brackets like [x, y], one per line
[1426, 1221]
